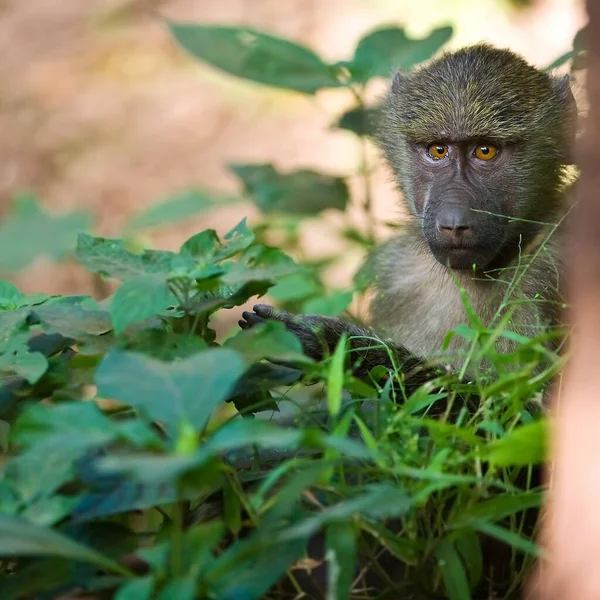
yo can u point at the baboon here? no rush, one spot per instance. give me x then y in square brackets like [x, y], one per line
[479, 142]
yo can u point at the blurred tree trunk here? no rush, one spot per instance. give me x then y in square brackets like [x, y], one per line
[571, 531]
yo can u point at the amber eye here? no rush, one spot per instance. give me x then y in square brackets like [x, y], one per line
[486, 151]
[437, 151]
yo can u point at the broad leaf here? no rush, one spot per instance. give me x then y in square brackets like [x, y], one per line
[10, 296]
[331, 305]
[16, 357]
[73, 321]
[302, 192]
[139, 299]
[295, 287]
[268, 340]
[137, 589]
[361, 121]
[257, 56]
[384, 50]
[27, 233]
[112, 258]
[171, 393]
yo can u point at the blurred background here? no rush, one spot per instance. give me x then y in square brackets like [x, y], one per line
[102, 113]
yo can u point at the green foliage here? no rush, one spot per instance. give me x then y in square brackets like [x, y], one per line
[148, 458]
[382, 51]
[46, 235]
[300, 193]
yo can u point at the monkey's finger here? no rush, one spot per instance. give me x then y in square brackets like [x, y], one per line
[243, 324]
[252, 318]
[265, 311]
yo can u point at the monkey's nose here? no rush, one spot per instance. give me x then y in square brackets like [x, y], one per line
[454, 221]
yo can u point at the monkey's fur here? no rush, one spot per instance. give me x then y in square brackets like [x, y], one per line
[477, 95]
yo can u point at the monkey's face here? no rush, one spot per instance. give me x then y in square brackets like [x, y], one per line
[477, 139]
[464, 193]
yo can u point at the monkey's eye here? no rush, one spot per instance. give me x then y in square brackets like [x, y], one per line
[437, 151]
[486, 151]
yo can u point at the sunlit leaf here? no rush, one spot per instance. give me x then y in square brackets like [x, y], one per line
[335, 377]
[524, 445]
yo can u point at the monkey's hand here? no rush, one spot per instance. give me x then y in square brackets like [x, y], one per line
[317, 334]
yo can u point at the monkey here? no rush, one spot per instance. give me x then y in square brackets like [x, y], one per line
[480, 143]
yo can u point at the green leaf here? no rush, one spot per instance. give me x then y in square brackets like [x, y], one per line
[384, 50]
[10, 296]
[137, 589]
[73, 321]
[378, 501]
[524, 445]
[179, 589]
[186, 390]
[303, 192]
[16, 358]
[257, 563]
[453, 572]
[202, 246]
[237, 239]
[510, 538]
[112, 258]
[268, 340]
[340, 553]
[232, 509]
[139, 299]
[28, 233]
[361, 121]
[335, 377]
[332, 305]
[294, 287]
[20, 538]
[499, 507]
[468, 546]
[260, 266]
[257, 56]
[183, 205]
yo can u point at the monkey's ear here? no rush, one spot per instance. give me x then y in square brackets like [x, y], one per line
[565, 97]
[398, 82]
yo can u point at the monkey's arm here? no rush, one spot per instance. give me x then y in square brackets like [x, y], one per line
[320, 335]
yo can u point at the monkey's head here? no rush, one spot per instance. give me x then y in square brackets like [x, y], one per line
[477, 139]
